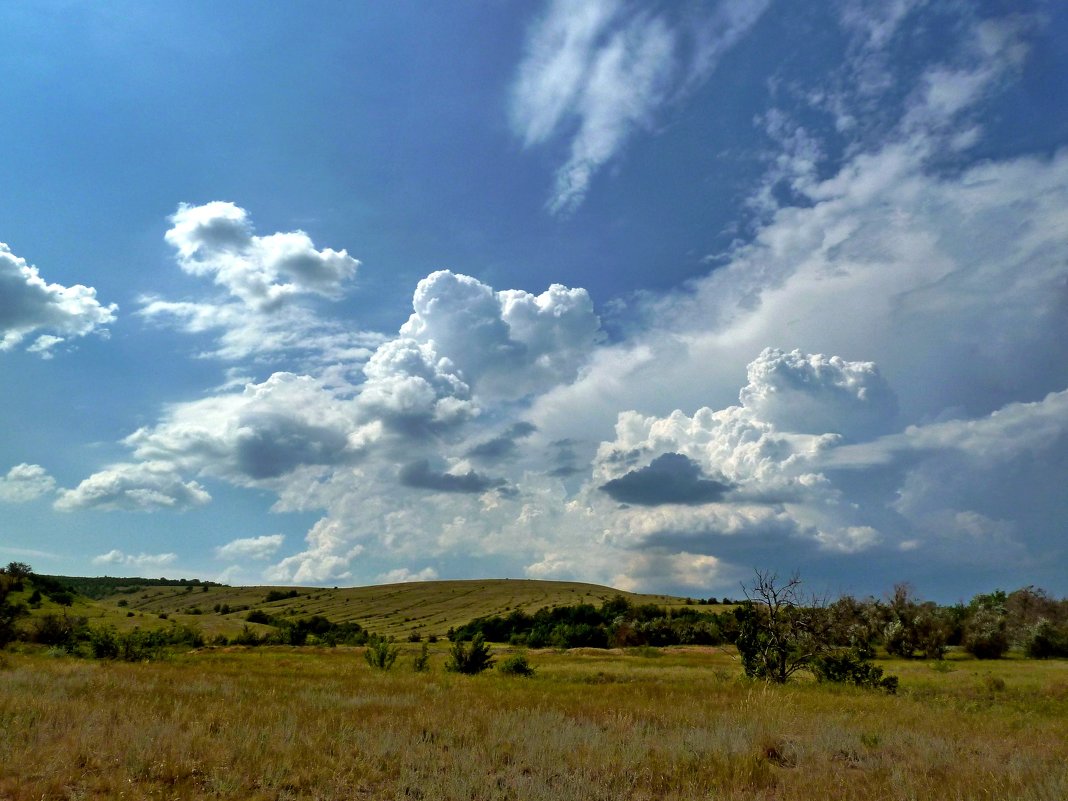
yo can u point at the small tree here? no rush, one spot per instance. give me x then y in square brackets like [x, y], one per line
[469, 660]
[781, 633]
[986, 635]
[381, 653]
[421, 662]
[910, 626]
[778, 634]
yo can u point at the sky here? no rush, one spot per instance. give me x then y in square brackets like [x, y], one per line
[645, 294]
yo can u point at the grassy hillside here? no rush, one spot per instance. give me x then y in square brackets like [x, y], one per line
[430, 607]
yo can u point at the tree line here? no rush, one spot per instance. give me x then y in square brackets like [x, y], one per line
[777, 630]
[902, 624]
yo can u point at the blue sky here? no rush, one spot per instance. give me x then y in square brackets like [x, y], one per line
[648, 294]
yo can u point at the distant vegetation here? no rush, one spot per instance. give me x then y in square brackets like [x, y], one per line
[102, 586]
[777, 631]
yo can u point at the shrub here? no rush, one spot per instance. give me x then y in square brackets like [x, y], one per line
[61, 631]
[1045, 640]
[414, 636]
[381, 653]
[516, 665]
[246, 637]
[280, 595]
[421, 662]
[257, 616]
[986, 635]
[469, 660]
[850, 667]
[104, 643]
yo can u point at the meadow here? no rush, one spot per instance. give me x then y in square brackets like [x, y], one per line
[674, 723]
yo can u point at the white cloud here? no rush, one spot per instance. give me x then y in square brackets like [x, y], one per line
[505, 344]
[260, 433]
[139, 487]
[25, 482]
[216, 240]
[898, 331]
[403, 575]
[268, 282]
[681, 571]
[328, 557]
[251, 547]
[413, 390]
[603, 69]
[29, 304]
[139, 561]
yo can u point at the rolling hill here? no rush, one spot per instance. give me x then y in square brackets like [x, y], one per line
[431, 607]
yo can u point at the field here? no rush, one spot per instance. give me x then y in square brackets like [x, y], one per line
[429, 607]
[681, 723]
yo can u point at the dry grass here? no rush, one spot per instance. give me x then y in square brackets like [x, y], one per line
[319, 724]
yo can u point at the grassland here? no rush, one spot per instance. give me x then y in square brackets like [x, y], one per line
[281, 723]
[430, 607]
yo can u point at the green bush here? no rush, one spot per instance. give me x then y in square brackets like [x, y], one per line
[516, 665]
[469, 660]
[60, 631]
[421, 662]
[381, 653]
[986, 634]
[280, 595]
[1046, 640]
[851, 667]
[104, 643]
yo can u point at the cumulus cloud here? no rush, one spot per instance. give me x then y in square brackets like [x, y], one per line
[136, 487]
[139, 561]
[28, 304]
[264, 431]
[869, 381]
[251, 547]
[504, 444]
[815, 394]
[419, 475]
[505, 344]
[25, 482]
[217, 240]
[267, 281]
[681, 572]
[328, 557]
[603, 70]
[412, 390]
[669, 478]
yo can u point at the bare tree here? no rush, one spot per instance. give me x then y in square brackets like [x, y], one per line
[780, 631]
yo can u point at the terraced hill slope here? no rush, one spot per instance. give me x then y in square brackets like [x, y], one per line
[430, 607]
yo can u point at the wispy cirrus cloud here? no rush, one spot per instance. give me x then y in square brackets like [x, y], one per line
[597, 72]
